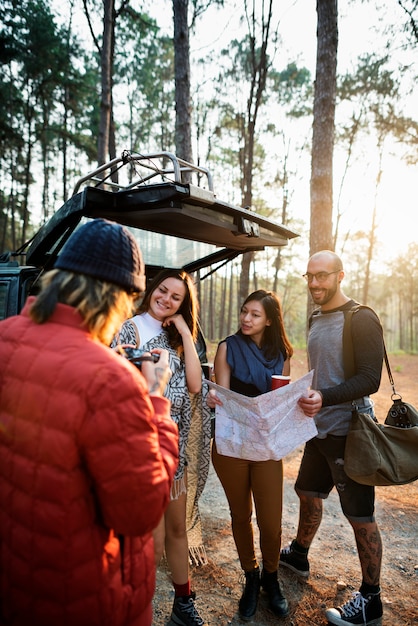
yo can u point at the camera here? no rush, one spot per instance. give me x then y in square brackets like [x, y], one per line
[137, 356]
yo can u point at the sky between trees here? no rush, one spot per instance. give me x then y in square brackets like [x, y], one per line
[363, 27]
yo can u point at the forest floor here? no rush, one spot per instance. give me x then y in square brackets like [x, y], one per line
[335, 571]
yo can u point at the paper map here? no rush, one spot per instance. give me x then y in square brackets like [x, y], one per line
[267, 427]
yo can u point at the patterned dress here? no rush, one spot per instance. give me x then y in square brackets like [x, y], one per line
[193, 418]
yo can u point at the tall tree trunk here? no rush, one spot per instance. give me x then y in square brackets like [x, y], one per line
[183, 136]
[112, 147]
[285, 202]
[260, 64]
[353, 131]
[323, 126]
[106, 81]
[64, 145]
[27, 182]
[212, 288]
[231, 298]
[372, 236]
[222, 317]
[401, 325]
[411, 316]
[255, 276]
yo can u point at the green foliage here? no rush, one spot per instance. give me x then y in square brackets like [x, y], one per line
[373, 91]
[144, 66]
[371, 75]
[42, 83]
[293, 87]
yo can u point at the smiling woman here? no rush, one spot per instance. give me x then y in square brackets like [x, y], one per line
[168, 318]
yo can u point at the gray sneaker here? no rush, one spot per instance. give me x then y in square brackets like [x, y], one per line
[185, 613]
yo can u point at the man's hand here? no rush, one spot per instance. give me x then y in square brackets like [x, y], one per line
[311, 403]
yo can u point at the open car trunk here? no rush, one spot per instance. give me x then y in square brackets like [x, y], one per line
[176, 223]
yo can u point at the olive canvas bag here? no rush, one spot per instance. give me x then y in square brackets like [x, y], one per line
[380, 454]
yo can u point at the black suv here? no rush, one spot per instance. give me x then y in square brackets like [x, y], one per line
[170, 207]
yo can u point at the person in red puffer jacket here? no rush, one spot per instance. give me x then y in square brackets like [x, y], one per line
[88, 450]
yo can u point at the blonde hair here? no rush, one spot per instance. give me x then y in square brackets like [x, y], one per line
[102, 305]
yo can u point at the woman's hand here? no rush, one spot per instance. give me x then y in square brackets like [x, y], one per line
[179, 323]
[157, 374]
[191, 358]
[311, 403]
[213, 400]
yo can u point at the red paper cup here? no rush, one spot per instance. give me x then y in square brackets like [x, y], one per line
[279, 381]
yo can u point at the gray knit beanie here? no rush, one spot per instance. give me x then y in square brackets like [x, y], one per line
[107, 251]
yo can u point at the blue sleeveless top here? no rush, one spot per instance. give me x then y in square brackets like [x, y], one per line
[250, 366]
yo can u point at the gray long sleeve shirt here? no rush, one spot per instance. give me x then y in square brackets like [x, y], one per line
[325, 351]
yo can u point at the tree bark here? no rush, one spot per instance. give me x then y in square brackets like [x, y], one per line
[259, 68]
[106, 81]
[323, 127]
[183, 132]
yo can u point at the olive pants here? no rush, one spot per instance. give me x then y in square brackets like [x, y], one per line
[244, 481]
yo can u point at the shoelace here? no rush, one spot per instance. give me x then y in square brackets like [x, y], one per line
[190, 610]
[352, 607]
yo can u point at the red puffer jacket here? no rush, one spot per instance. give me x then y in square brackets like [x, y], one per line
[86, 466]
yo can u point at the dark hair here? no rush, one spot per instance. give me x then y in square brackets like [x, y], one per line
[189, 308]
[275, 339]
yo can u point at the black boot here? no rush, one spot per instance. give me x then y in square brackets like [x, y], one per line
[248, 603]
[277, 602]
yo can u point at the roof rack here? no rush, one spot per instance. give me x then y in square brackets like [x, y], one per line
[132, 170]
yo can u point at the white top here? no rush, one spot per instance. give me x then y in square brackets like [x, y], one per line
[148, 327]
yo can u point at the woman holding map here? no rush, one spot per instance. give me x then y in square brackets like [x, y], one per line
[245, 363]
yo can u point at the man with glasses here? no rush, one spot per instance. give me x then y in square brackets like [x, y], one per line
[330, 403]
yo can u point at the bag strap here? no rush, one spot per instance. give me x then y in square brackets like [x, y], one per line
[348, 348]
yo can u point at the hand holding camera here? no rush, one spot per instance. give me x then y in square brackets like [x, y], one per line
[156, 370]
[153, 365]
[137, 356]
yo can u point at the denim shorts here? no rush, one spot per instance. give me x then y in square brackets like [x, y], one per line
[322, 468]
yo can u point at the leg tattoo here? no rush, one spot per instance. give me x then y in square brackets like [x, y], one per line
[310, 517]
[369, 547]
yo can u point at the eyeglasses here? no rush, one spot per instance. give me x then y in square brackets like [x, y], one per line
[320, 277]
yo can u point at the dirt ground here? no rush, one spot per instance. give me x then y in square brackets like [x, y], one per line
[335, 571]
